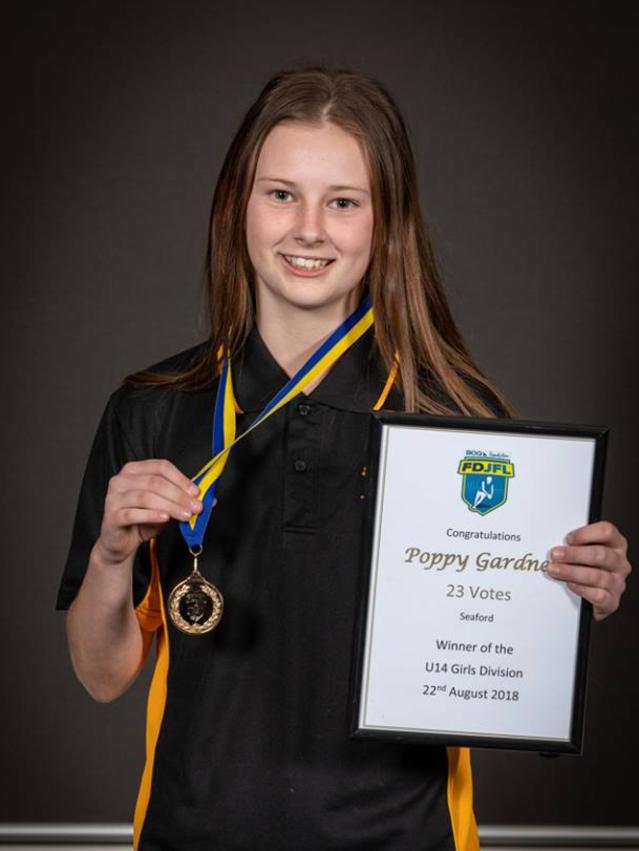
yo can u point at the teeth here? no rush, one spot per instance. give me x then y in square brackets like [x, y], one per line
[306, 264]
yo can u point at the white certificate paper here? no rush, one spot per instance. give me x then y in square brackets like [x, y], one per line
[467, 638]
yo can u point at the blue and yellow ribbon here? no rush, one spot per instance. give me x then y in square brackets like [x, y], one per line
[224, 439]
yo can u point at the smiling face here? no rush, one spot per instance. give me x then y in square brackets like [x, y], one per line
[309, 220]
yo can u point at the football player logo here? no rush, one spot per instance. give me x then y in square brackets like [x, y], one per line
[485, 481]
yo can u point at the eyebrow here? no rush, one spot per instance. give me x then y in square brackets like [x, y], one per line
[332, 188]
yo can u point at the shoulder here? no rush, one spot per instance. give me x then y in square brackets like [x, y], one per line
[181, 361]
[143, 399]
[490, 397]
[434, 390]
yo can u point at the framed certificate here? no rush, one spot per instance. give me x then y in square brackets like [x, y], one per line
[462, 637]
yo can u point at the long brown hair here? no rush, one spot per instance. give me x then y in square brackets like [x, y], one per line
[412, 319]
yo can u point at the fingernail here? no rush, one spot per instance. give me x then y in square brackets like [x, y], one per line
[186, 514]
[553, 568]
[569, 538]
[558, 554]
[194, 489]
[196, 506]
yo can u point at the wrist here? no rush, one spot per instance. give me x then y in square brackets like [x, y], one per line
[108, 582]
[104, 557]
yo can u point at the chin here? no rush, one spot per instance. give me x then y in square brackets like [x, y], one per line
[311, 294]
[317, 300]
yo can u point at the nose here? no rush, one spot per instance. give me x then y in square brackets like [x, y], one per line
[309, 227]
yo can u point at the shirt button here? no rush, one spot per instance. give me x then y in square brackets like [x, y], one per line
[303, 409]
[300, 466]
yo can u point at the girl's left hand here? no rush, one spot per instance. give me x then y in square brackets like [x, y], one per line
[594, 564]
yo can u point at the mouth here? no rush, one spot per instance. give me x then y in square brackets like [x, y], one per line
[306, 266]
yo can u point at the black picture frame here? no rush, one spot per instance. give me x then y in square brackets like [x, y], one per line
[381, 419]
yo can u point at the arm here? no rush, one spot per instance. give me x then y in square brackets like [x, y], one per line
[594, 564]
[106, 643]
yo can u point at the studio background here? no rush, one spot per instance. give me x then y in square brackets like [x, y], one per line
[117, 116]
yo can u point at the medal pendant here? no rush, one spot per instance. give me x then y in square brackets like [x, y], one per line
[195, 605]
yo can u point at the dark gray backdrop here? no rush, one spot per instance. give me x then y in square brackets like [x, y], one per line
[116, 119]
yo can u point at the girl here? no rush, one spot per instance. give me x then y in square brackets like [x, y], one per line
[315, 210]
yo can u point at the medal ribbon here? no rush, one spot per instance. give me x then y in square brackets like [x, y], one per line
[224, 439]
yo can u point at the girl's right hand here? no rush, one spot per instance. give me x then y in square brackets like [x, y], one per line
[140, 500]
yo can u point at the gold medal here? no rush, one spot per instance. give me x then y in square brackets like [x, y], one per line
[195, 606]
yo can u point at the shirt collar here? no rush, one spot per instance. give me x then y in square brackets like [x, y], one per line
[354, 383]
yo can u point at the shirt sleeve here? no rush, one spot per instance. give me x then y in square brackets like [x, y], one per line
[110, 451]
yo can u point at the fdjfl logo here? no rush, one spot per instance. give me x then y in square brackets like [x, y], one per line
[485, 480]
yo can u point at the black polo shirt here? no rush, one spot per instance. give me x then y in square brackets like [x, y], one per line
[248, 724]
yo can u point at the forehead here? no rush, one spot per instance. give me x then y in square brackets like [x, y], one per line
[303, 152]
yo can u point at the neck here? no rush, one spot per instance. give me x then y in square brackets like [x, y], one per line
[292, 334]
